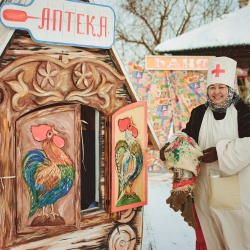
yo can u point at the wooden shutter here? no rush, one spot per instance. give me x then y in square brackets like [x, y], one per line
[129, 141]
[38, 175]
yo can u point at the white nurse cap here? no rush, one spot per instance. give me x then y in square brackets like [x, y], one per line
[221, 70]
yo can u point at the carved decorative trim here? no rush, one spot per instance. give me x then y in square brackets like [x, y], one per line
[42, 80]
[122, 237]
[22, 90]
[127, 215]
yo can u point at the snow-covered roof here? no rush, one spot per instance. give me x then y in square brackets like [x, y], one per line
[232, 30]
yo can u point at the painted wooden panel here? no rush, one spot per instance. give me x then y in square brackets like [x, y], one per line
[128, 157]
[47, 165]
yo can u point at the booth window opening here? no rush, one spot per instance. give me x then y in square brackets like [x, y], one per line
[90, 186]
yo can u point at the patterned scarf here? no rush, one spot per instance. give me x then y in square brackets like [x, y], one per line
[232, 97]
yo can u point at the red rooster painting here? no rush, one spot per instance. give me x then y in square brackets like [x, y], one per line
[48, 173]
[129, 162]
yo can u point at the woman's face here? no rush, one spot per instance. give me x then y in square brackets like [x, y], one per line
[218, 92]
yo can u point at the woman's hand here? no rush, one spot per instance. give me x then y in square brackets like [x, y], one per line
[162, 157]
[210, 155]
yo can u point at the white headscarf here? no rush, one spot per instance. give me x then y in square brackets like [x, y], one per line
[232, 97]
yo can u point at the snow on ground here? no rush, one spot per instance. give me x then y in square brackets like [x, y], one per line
[164, 229]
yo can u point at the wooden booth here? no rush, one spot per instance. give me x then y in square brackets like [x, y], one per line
[73, 135]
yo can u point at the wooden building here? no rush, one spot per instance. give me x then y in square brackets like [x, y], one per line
[73, 146]
[228, 36]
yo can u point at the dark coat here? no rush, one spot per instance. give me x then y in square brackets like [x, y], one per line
[193, 126]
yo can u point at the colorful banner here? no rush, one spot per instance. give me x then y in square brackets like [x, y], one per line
[171, 96]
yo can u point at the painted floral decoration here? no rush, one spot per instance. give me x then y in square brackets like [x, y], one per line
[183, 153]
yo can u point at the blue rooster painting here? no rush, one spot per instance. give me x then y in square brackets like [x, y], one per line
[48, 173]
[129, 162]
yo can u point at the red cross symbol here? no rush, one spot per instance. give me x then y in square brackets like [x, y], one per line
[217, 70]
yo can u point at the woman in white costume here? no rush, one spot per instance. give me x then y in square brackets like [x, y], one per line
[221, 127]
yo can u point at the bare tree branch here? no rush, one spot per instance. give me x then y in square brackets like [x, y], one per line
[141, 25]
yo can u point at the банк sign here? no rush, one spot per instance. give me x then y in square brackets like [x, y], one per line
[65, 22]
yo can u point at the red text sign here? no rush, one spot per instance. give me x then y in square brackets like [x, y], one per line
[66, 22]
[177, 62]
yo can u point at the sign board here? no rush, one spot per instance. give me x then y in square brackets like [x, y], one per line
[177, 62]
[66, 22]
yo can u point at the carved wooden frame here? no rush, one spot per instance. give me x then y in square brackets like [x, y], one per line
[43, 80]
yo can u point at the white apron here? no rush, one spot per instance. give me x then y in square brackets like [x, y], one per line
[223, 228]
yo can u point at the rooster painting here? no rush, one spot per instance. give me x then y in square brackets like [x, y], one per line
[129, 162]
[48, 173]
